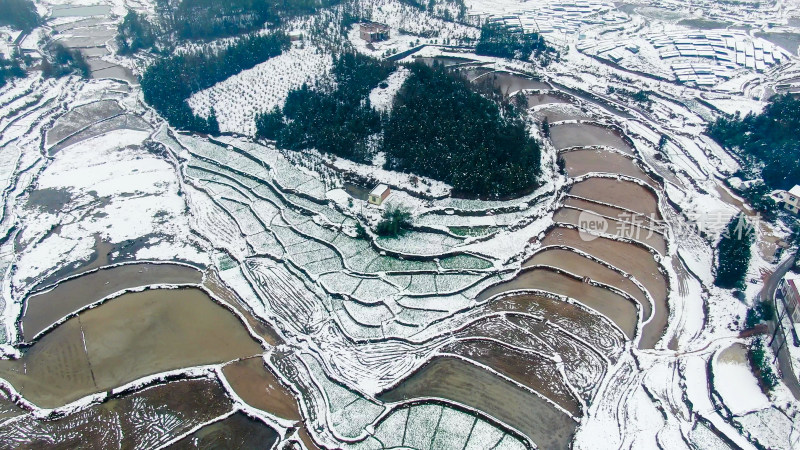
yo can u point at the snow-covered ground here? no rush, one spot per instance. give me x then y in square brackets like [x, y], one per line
[238, 99]
[359, 321]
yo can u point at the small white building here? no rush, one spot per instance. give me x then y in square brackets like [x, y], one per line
[379, 194]
[790, 200]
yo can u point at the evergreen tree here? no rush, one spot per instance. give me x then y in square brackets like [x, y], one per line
[19, 14]
[64, 61]
[10, 69]
[269, 124]
[733, 254]
[394, 222]
[212, 124]
[334, 116]
[135, 33]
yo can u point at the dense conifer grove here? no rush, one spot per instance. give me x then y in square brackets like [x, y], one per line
[208, 19]
[767, 142]
[332, 116]
[441, 128]
[19, 14]
[504, 42]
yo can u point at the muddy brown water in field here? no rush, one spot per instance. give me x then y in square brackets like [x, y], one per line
[42, 310]
[623, 229]
[625, 194]
[146, 419]
[99, 259]
[559, 112]
[788, 41]
[259, 388]
[594, 329]
[580, 265]
[472, 72]
[234, 432]
[78, 24]
[213, 284]
[134, 335]
[115, 72]
[509, 83]
[443, 60]
[453, 379]
[544, 99]
[498, 328]
[585, 135]
[736, 353]
[80, 11]
[526, 368]
[97, 52]
[583, 367]
[581, 162]
[306, 438]
[85, 42]
[703, 24]
[98, 64]
[610, 211]
[630, 259]
[617, 308]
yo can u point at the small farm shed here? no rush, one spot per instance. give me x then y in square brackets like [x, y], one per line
[379, 194]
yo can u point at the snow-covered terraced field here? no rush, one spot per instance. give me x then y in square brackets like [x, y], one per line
[580, 315]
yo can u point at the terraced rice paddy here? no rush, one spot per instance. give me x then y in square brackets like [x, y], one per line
[611, 211]
[619, 309]
[582, 162]
[427, 340]
[558, 112]
[529, 368]
[81, 117]
[149, 418]
[570, 135]
[453, 379]
[132, 336]
[620, 193]
[545, 98]
[46, 308]
[236, 431]
[573, 262]
[257, 386]
[509, 83]
[619, 227]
